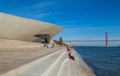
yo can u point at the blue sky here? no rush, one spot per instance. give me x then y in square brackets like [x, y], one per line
[80, 19]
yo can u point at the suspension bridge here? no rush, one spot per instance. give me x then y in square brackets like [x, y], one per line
[106, 40]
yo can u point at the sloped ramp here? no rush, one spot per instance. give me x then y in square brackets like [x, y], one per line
[55, 64]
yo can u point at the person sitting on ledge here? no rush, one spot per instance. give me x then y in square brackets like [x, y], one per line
[71, 57]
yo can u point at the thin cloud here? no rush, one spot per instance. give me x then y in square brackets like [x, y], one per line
[42, 15]
[43, 5]
[35, 11]
[45, 14]
[83, 28]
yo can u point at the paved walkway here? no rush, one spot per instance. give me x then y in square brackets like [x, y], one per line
[55, 64]
[11, 58]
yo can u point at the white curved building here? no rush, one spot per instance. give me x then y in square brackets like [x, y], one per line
[18, 28]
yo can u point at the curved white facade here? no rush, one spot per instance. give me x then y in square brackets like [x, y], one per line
[13, 27]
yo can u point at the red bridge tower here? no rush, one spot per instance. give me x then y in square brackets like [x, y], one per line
[106, 39]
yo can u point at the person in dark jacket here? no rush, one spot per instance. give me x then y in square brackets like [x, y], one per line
[71, 57]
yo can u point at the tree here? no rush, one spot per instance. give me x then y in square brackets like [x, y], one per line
[60, 41]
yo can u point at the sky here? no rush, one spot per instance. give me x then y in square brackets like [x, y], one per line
[80, 19]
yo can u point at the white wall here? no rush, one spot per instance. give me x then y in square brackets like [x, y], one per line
[18, 28]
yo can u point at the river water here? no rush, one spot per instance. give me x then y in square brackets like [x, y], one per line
[103, 61]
